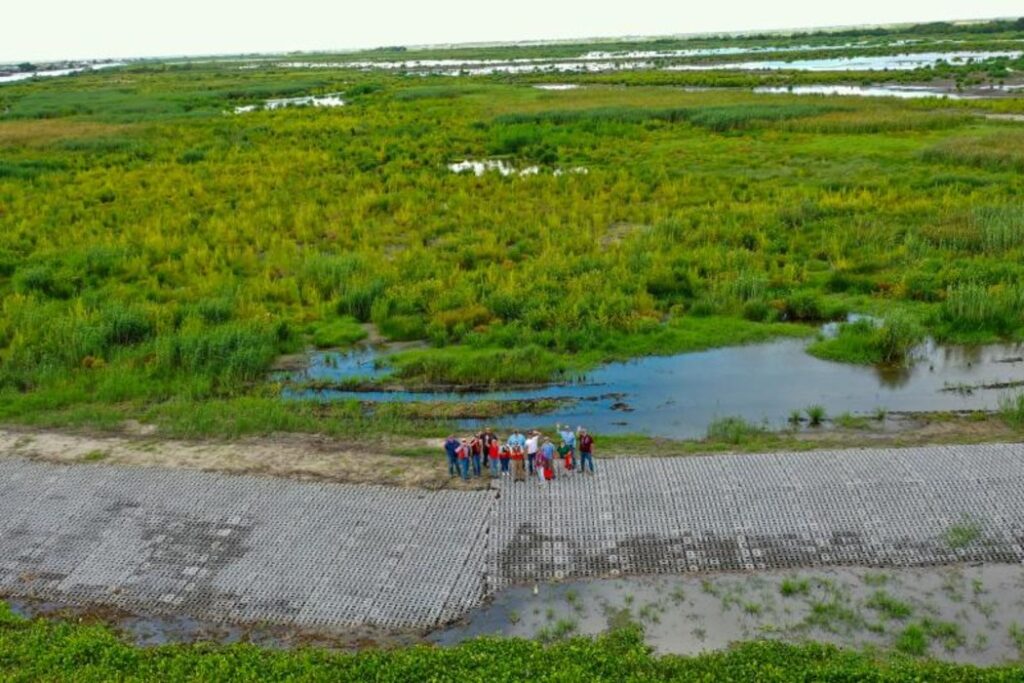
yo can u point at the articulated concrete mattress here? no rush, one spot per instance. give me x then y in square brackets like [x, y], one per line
[327, 556]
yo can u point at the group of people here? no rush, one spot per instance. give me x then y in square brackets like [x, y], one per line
[520, 455]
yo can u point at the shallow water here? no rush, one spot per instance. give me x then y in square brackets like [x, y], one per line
[898, 91]
[52, 73]
[331, 100]
[902, 62]
[608, 61]
[679, 396]
[689, 614]
[478, 168]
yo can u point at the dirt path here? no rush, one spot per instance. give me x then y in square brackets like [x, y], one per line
[295, 456]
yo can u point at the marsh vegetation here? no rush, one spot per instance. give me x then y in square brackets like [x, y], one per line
[157, 253]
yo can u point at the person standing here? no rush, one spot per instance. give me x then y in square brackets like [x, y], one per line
[565, 452]
[532, 446]
[586, 451]
[451, 447]
[476, 449]
[506, 455]
[568, 436]
[547, 454]
[485, 440]
[492, 452]
[463, 454]
[517, 439]
[518, 472]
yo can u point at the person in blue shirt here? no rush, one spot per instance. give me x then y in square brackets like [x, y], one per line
[517, 439]
[451, 447]
[568, 436]
[547, 456]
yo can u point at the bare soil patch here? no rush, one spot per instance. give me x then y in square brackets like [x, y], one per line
[296, 456]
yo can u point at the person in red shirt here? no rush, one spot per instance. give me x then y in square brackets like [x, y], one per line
[476, 449]
[462, 454]
[492, 456]
[518, 471]
[586, 443]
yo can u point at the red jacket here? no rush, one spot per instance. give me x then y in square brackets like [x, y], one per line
[586, 443]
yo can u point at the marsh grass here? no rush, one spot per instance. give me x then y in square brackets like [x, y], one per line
[1011, 409]
[751, 217]
[865, 342]
[732, 430]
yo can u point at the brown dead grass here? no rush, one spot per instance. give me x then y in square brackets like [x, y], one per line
[37, 133]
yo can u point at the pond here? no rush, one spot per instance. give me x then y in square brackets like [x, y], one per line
[968, 614]
[679, 396]
[905, 92]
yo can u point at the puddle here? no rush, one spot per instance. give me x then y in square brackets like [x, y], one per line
[969, 613]
[152, 630]
[898, 91]
[330, 100]
[52, 73]
[901, 62]
[478, 168]
[556, 86]
[679, 396]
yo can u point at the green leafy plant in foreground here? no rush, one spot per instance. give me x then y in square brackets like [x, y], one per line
[44, 650]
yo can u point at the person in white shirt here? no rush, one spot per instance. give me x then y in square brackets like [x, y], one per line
[532, 446]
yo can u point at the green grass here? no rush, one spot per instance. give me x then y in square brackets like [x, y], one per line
[1011, 409]
[913, 640]
[95, 456]
[889, 606]
[732, 430]
[39, 649]
[815, 415]
[963, 534]
[337, 332]
[866, 343]
[794, 586]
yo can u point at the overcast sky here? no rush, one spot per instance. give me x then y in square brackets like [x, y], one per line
[57, 29]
